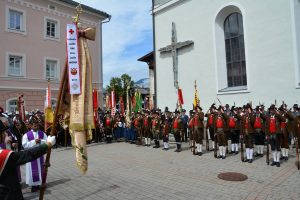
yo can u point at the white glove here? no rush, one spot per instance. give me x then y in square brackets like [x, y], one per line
[51, 139]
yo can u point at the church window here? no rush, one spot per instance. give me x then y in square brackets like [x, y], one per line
[235, 50]
[15, 20]
[15, 65]
[51, 29]
[11, 105]
[51, 69]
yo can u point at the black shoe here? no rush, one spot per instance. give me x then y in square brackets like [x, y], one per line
[200, 154]
[34, 188]
[236, 152]
[219, 157]
[246, 160]
[278, 164]
[250, 161]
[231, 152]
[256, 155]
[261, 155]
[286, 158]
[273, 163]
[223, 157]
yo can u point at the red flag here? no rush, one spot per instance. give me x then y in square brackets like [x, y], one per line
[95, 99]
[121, 105]
[113, 99]
[95, 105]
[180, 97]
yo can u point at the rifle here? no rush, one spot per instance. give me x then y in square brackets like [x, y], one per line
[216, 146]
[207, 140]
[194, 143]
[268, 151]
[297, 153]
[242, 148]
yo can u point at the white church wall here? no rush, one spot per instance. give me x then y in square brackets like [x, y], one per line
[295, 16]
[268, 47]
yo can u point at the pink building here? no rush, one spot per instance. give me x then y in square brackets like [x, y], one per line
[33, 48]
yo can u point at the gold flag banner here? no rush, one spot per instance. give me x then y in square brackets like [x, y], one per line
[49, 115]
[81, 105]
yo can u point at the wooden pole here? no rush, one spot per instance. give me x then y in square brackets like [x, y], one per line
[53, 132]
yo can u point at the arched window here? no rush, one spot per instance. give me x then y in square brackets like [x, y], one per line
[235, 50]
[11, 105]
[53, 104]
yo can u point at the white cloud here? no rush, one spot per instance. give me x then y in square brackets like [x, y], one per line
[130, 27]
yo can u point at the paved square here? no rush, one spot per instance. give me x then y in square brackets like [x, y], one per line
[126, 171]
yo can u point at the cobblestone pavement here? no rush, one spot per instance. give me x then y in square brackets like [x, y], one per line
[126, 171]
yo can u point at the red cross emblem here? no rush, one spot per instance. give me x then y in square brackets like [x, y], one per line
[71, 31]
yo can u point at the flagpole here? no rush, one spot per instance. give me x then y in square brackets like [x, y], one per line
[52, 133]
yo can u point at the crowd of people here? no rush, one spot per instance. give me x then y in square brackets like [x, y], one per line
[224, 130]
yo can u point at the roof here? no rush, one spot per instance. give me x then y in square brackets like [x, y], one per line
[84, 7]
[147, 58]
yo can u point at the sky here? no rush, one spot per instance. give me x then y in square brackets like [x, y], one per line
[127, 37]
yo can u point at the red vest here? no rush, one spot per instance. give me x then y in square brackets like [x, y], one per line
[146, 122]
[272, 127]
[247, 123]
[136, 122]
[257, 123]
[154, 122]
[219, 122]
[4, 155]
[175, 124]
[283, 124]
[196, 121]
[107, 122]
[210, 120]
[191, 124]
[231, 122]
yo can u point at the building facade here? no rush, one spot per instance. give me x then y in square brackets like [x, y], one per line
[243, 50]
[33, 48]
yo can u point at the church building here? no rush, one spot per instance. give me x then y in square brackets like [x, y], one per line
[237, 51]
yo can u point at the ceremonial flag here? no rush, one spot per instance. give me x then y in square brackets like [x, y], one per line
[21, 108]
[138, 101]
[196, 101]
[107, 102]
[121, 105]
[48, 108]
[180, 97]
[95, 105]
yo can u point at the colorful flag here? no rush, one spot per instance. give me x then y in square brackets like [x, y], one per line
[138, 101]
[180, 97]
[48, 108]
[196, 101]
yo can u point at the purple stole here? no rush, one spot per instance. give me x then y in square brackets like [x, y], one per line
[34, 164]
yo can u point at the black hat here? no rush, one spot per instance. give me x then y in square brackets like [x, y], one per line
[176, 111]
[213, 106]
[183, 110]
[2, 127]
[220, 107]
[33, 120]
[272, 107]
[198, 107]
[166, 109]
[232, 108]
[295, 105]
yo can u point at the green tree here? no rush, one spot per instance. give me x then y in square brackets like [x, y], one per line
[119, 85]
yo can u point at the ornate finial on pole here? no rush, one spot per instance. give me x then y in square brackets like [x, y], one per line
[78, 12]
